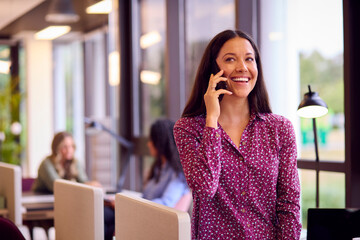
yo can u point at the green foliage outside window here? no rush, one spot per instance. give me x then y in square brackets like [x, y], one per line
[10, 99]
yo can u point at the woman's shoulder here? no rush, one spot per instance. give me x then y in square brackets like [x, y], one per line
[46, 162]
[274, 118]
[277, 123]
[191, 122]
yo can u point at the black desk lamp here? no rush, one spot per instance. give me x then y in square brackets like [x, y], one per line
[312, 106]
[121, 140]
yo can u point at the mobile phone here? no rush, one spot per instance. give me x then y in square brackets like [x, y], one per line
[221, 84]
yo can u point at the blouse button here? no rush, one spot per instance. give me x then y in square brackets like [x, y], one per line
[241, 158]
[243, 193]
[217, 135]
[243, 143]
[243, 210]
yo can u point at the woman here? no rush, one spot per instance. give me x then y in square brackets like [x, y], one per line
[239, 159]
[166, 183]
[61, 164]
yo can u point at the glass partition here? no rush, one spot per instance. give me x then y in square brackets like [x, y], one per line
[204, 19]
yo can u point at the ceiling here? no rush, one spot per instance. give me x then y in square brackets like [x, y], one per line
[29, 15]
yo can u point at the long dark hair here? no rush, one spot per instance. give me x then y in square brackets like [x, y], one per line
[258, 97]
[162, 136]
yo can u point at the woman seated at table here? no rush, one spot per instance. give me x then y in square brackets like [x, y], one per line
[166, 183]
[61, 164]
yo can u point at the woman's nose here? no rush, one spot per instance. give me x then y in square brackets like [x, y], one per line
[241, 67]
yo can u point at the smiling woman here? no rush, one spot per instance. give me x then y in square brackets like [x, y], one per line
[239, 159]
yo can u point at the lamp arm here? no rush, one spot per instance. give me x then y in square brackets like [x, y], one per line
[124, 142]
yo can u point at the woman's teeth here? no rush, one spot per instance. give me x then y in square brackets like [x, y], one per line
[240, 79]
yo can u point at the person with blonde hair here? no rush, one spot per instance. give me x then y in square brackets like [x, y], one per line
[61, 164]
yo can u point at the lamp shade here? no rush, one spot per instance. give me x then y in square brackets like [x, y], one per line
[312, 106]
[61, 11]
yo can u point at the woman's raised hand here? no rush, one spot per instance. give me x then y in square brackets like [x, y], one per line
[211, 99]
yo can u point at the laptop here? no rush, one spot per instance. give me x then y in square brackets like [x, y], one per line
[333, 223]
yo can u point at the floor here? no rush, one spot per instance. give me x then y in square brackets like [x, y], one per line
[39, 233]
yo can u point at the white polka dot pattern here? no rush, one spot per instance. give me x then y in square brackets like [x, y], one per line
[246, 192]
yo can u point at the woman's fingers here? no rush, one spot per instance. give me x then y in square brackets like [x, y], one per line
[214, 80]
[224, 91]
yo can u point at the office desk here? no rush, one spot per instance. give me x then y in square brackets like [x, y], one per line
[38, 211]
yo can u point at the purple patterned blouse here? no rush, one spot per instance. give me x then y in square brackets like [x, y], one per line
[246, 192]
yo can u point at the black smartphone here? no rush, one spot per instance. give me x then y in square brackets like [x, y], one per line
[222, 84]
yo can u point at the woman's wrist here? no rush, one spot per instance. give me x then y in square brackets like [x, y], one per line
[211, 122]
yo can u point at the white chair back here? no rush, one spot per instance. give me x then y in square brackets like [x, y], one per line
[10, 188]
[140, 219]
[78, 211]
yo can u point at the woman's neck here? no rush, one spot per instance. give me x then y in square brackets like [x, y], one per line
[234, 109]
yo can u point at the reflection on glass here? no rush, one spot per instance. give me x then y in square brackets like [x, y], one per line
[149, 39]
[321, 66]
[307, 183]
[204, 19]
[152, 43]
[332, 190]
[150, 77]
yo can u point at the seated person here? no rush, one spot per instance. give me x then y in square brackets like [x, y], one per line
[166, 182]
[61, 164]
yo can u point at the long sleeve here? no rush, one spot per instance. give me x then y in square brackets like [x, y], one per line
[288, 187]
[172, 193]
[46, 177]
[168, 189]
[199, 150]
[82, 177]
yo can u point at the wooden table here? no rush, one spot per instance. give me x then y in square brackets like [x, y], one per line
[38, 211]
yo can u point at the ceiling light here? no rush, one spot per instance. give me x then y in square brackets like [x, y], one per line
[149, 39]
[61, 11]
[102, 7]
[52, 32]
[150, 77]
[4, 67]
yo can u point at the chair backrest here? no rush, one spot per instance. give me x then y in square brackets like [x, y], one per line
[332, 223]
[138, 218]
[10, 188]
[78, 211]
[27, 184]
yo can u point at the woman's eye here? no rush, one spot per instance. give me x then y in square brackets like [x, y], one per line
[250, 59]
[229, 59]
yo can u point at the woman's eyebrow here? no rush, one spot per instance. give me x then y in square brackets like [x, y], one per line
[233, 54]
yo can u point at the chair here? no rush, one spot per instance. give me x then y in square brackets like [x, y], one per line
[78, 211]
[27, 184]
[138, 218]
[9, 230]
[333, 224]
[10, 187]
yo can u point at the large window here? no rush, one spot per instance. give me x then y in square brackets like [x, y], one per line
[320, 55]
[152, 66]
[12, 136]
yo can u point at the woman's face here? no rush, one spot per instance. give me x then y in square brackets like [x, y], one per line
[67, 148]
[237, 58]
